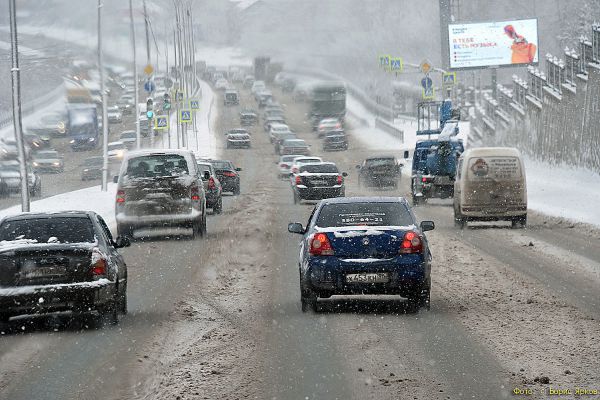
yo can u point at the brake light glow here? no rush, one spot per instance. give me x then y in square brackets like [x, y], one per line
[211, 183]
[99, 264]
[298, 180]
[340, 179]
[121, 196]
[411, 243]
[320, 245]
[282, 165]
[227, 173]
[338, 126]
[195, 193]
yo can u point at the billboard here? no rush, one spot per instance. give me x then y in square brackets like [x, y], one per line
[491, 44]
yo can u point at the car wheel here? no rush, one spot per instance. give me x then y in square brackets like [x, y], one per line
[218, 208]
[203, 230]
[308, 300]
[519, 222]
[123, 300]
[125, 230]
[236, 190]
[425, 298]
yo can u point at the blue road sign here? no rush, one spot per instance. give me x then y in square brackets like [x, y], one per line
[185, 116]
[426, 83]
[149, 86]
[428, 93]
[396, 64]
[449, 78]
[194, 104]
[161, 122]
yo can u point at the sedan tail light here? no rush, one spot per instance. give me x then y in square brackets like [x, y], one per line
[320, 245]
[195, 196]
[411, 244]
[298, 180]
[211, 183]
[340, 179]
[282, 165]
[99, 264]
[121, 196]
[230, 174]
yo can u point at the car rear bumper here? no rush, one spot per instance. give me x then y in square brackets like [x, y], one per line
[406, 274]
[159, 220]
[491, 213]
[318, 193]
[335, 146]
[228, 184]
[41, 299]
[238, 144]
[212, 198]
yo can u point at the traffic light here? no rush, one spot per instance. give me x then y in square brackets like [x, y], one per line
[149, 108]
[166, 102]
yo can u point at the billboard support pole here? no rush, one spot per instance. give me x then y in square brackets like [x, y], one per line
[494, 81]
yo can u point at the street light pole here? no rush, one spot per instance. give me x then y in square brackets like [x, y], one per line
[16, 99]
[135, 78]
[104, 111]
[148, 62]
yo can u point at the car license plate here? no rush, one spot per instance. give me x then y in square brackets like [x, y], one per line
[41, 272]
[380, 277]
[319, 183]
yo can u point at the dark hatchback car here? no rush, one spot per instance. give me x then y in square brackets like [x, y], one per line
[318, 181]
[335, 140]
[212, 186]
[364, 245]
[65, 261]
[379, 172]
[228, 175]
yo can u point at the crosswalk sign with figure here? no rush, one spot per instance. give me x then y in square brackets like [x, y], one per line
[194, 104]
[161, 122]
[185, 116]
[449, 78]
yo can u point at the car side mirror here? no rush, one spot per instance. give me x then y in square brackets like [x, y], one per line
[238, 169]
[122, 241]
[344, 174]
[206, 175]
[116, 179]
[406, 154]
[296, 227]
[427, 226]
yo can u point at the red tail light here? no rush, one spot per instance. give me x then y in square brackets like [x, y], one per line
[121, 196]
[284, 165]
[298, 180]
[294, 170]
[320, 245]
[411, 243]
[227, 173]
[211, 183]
[195, 193]
[338, 126]
[99, 264]
[340, 179]
[426, 179]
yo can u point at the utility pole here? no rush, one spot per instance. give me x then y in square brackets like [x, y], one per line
[16, 99]
[135, 78]
[148, 62]
[104, 111]
[177, 86]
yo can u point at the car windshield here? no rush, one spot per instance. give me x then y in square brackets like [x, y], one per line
[222, 164]
[202, 168]
[48, 230]
[157, 165]
[44, 155]
[128, 135]
[294, 142]
[307, 160]
[367, 214]
[319, 169]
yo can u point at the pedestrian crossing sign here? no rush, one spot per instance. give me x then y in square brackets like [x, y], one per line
[428, 93]
[396, 64]
[194, 104]
[449, 78]
[161, 123]
[185, 116]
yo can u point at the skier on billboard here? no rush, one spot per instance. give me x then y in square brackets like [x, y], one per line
[523, 52]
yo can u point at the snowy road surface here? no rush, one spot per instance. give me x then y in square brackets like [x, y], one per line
[220, 318]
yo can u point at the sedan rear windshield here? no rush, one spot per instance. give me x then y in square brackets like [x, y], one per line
[155, 165]
[377, 162]
[49, 230]
[319, 169]
[367, 214]
[222, 164]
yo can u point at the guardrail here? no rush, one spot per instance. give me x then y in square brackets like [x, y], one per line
[389, 128]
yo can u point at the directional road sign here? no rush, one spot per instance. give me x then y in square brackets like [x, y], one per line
[426, 83]
[425, 67]
[384, 61]
[194, 104]
[161, 123]
[428, 93]
[396, 64]
[185, 115]
[449, 78]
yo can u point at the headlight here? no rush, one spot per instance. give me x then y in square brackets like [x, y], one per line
[5, 151]
[86, 170]
[72, 141]
[56, 164]
[35, 164]
[91, 139]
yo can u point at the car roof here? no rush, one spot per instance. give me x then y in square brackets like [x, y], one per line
[50, 214]
[492, 151]
[364, 199]
[379, 158]
[147, 152]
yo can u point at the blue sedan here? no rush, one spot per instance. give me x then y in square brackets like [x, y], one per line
[364, 245]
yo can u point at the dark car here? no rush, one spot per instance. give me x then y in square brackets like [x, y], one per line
[92, 168]
[160, 188]
[37, 142]
[335, 140]
[364, 245]
[48, 161]
[10, 175]
[231, 97]
[212, 186]
[228, 175]
[248, 118]
[66, 261]
[379, 172]
[318, 181]
[280, 137]
[238, 140]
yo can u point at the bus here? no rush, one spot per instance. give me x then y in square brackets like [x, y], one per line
[327, 100]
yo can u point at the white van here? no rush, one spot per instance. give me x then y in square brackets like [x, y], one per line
[490, 186]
